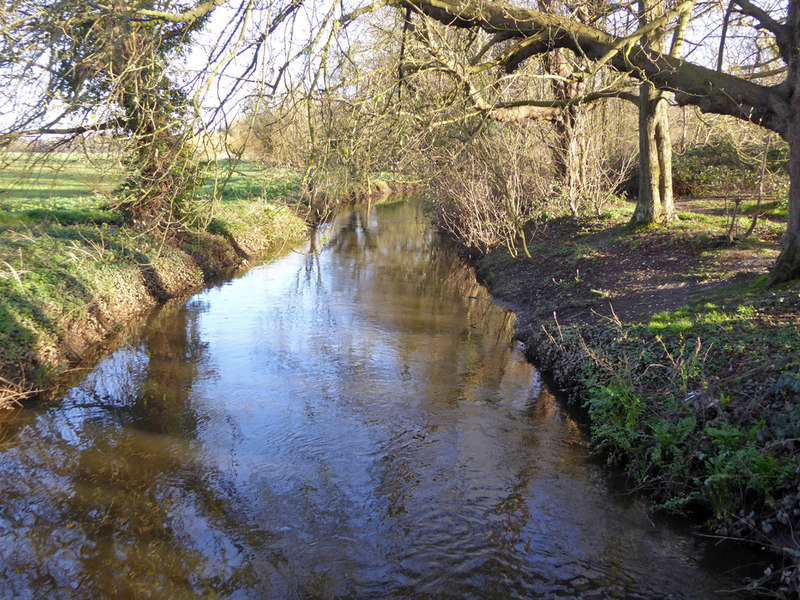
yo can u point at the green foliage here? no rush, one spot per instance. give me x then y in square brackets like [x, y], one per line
[706, 412]
[615, 410]
[162, 178]
[669, 441]
[111, 67]
[88, 59]
[735, 465]
[721, 168]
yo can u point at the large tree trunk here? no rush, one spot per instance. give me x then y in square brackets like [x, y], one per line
[569, 154]
[664, 147]
[787, 267]
[655, 203]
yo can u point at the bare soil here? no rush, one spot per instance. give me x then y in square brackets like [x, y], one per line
[585, 269]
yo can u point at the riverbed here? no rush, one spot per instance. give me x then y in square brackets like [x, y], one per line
[352, 420]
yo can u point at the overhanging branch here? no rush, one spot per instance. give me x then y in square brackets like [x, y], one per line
[765, 21]
[7, 138]
[719, 93]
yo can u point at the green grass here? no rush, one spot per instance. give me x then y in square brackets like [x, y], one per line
[773, 209]
[690, 220]
[35, 180]
[249, 181]
[674, 321]
[66, 188]
[618, 211]
[63, 249]
[50, 274]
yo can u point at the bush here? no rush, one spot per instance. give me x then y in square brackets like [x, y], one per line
[721, 169]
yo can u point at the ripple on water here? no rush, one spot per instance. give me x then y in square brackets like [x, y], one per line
[353, 424]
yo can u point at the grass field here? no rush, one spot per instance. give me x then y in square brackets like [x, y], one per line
[67, 188]
[249, 180]
[38, 179]
[83, 185]
[64, 249]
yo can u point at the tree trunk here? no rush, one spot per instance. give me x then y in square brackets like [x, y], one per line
[569, 154]
[569, 150]
[787, 267]
[655, 203]
[664, 148]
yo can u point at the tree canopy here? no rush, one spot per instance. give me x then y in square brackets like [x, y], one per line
[78, 67]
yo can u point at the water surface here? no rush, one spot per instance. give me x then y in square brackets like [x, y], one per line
[357, 423]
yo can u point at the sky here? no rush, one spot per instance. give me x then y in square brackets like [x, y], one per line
[214, 68]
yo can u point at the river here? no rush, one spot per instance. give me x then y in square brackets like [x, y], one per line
[353, 423]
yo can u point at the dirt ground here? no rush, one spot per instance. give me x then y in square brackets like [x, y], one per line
[586, 269]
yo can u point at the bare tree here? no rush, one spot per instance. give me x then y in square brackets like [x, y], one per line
[776, 107]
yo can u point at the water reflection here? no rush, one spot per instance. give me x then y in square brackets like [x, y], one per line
[354, 421]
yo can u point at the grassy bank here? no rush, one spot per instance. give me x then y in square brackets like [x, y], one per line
[685, 367]
[71, 272]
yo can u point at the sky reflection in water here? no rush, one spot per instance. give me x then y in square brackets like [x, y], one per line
[357, 423]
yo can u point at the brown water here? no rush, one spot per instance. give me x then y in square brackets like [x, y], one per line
[353, 424]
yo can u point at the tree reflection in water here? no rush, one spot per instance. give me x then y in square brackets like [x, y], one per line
[353, 422]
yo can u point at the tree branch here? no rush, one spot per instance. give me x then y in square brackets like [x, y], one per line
[548, 110]
[187, 16]
[496, 39]
[7, 138]
[693, 84]
[765, 21]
